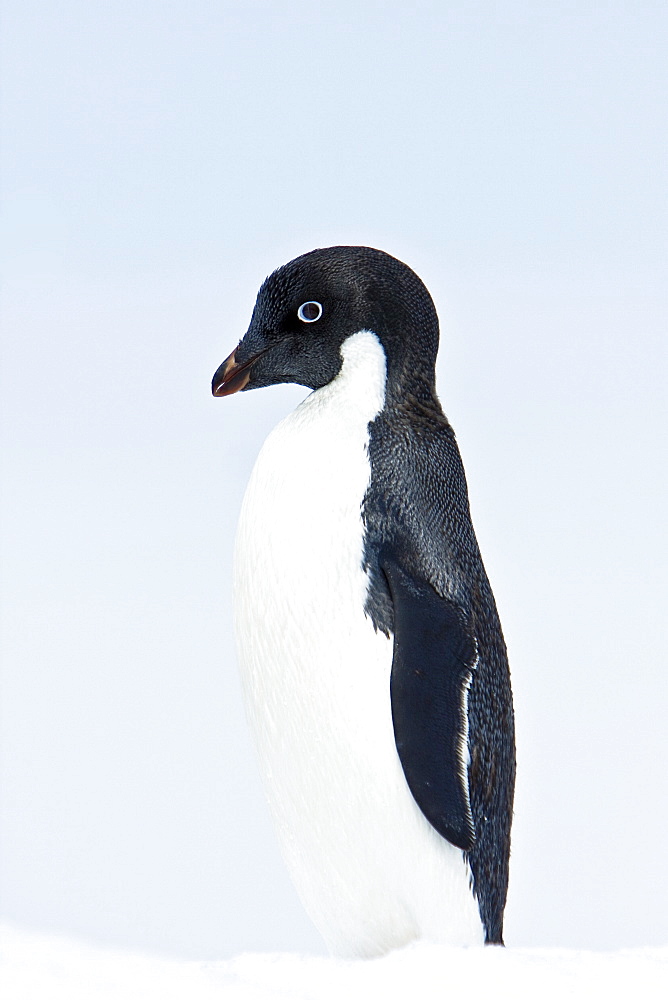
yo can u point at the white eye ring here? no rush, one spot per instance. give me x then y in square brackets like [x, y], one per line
[306, 309]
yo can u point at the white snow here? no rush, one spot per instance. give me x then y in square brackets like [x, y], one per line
[38, 966]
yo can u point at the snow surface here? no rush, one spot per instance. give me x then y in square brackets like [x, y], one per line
[47, 967]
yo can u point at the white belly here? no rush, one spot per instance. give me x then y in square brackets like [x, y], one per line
[371, 871]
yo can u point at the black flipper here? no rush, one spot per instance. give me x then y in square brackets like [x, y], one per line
[434, 659]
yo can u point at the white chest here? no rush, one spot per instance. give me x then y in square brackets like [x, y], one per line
[316, 678]
[314, 669]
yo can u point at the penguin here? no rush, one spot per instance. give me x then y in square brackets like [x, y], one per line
[373, 663]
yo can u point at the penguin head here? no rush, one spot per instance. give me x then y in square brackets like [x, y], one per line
[309, 307]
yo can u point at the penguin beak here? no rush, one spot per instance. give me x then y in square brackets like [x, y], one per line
[232, 377]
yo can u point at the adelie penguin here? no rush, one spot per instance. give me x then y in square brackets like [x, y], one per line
[372, 657]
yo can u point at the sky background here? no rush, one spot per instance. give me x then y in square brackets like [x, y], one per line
[159, 160]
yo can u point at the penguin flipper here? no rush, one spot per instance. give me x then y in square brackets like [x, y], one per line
[432, 666]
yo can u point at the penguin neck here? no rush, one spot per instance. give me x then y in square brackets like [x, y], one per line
[357, 394]
[374, 379]
[363, 374]
[411, 361]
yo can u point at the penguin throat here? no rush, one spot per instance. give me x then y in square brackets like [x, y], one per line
[363, 375]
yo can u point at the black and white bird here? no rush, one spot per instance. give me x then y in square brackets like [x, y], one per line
[372, 657]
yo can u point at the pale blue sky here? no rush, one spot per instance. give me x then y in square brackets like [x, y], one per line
[159, 160]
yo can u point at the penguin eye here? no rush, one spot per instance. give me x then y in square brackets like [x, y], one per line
[309, 312]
